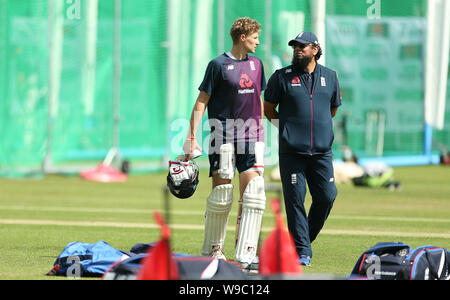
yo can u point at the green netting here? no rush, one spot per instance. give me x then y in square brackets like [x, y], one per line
[84, 124]
[378, 52]
[57, 85]
[23, 78]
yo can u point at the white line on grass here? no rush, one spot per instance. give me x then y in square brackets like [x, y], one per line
[400, 219]
[193, 212]
[229, 228]
[95, 210]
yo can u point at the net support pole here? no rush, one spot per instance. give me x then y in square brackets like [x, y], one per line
[55, 43]
[177, 32]
[268, 32]
[436, 68]
[114, 152]
[318, 12]
[88, 69]
[169, 63]
[221, 26]
[117, 72]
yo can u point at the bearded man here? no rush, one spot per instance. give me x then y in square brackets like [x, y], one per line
[308, 96]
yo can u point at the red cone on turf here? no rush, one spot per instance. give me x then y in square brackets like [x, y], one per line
[103, 173]
[278, 255]
[159, 264]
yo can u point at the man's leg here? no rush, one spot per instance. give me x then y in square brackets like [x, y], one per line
[244, 179]
[323, 190]
[253, 205]
[292, 171]
[253, 201]
[218, 207]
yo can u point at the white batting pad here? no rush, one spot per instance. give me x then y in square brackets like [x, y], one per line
[227, 162]
[218, 208]
[259, 153]
[253, 205]
[259, 159]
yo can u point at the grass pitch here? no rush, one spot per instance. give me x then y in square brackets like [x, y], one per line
[39, 217]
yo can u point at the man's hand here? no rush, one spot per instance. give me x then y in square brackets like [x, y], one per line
[271, 113]
[191, 149]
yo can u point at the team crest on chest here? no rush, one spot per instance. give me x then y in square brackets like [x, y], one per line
[295, 81]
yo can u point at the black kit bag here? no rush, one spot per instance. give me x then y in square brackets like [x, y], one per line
[382, 261]
[396, 261]
[426, 263]
[189, 268]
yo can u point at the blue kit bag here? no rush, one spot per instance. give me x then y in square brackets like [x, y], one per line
[86, 260]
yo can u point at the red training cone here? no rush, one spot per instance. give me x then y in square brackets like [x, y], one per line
[103, 173]
[278, 255]
[159, 264]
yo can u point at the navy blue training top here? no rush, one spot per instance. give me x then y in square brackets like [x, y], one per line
[235, 105]
[305, 101]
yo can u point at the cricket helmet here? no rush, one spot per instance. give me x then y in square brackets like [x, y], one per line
[182, 179]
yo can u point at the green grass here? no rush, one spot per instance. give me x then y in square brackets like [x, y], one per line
[39, 217]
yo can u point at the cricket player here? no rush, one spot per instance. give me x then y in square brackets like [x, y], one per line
[231, 91]
[308, 96]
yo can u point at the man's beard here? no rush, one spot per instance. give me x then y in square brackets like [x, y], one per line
[301, 63]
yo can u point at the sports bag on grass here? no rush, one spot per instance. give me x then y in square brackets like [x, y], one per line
[426, 263]
[86, 260]
[382, 261]
[397, 261]
[155, 261]
[189, 268]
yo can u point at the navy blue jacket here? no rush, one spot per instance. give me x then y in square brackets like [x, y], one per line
[306, 125]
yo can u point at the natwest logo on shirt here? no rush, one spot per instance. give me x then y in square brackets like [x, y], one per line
[245, 82]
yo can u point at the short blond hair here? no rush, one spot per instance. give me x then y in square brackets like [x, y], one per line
[243, 25]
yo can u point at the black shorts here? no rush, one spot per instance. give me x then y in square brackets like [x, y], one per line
[245, 158]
